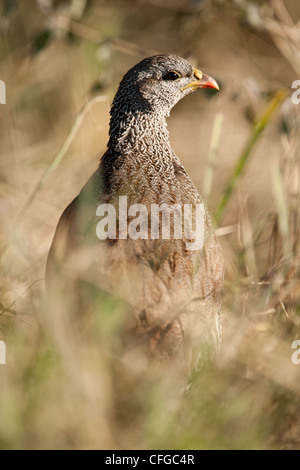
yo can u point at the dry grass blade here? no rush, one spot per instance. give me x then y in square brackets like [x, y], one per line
[58, 158]
[247, 242]
[285, 33]
[282, 209]
[214, 145]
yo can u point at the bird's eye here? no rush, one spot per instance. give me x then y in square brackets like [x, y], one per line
[171, 76]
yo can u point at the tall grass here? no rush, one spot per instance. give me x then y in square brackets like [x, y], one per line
[70, 388]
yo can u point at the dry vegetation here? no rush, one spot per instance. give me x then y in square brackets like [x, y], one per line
[60, 389]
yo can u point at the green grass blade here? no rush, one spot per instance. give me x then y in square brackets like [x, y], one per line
[256, 132]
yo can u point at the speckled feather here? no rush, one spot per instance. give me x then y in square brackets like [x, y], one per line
[175, 294]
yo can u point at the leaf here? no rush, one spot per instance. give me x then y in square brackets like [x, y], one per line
[41, 41]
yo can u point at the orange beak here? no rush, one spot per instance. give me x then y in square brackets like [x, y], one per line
[202, 81]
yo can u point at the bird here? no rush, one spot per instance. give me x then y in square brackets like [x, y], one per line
[172, 288]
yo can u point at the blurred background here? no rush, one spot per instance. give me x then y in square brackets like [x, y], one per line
[61, 62]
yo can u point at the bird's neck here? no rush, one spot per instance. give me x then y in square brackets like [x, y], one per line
[139, 155]
[140, 134]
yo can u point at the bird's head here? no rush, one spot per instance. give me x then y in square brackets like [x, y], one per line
[146, 95]
[157, 83]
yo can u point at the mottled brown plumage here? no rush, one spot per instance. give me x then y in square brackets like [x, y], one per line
[174, 293]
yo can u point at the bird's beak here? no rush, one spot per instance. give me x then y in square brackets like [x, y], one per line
[201, 81]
